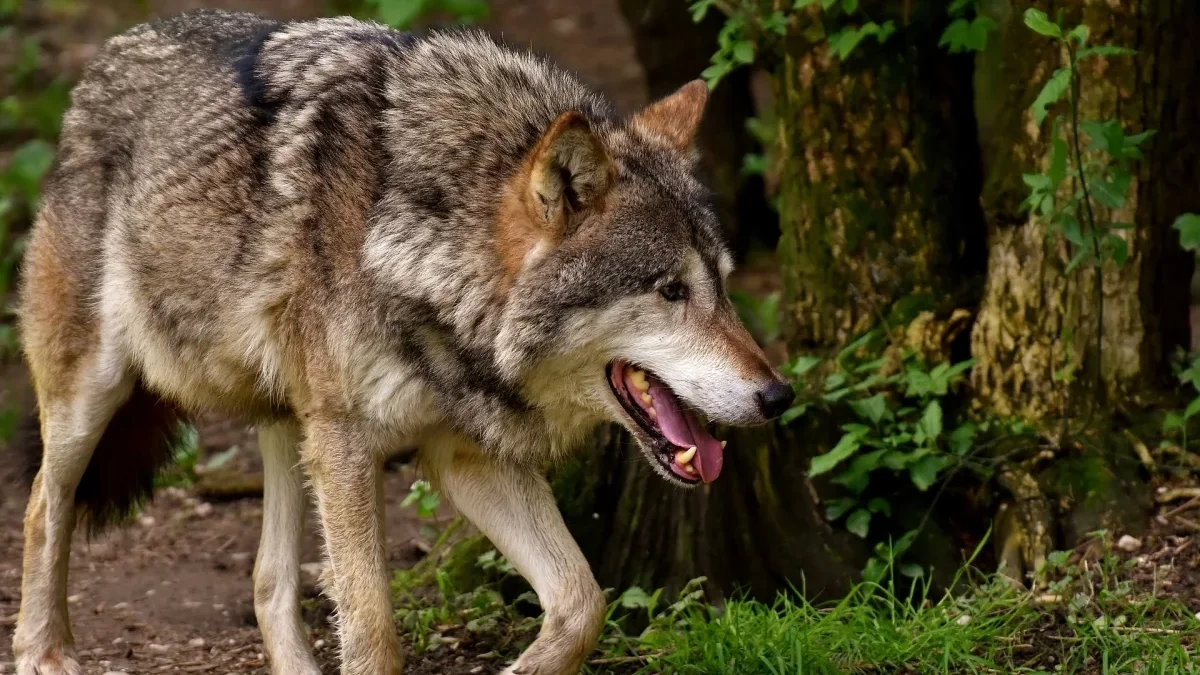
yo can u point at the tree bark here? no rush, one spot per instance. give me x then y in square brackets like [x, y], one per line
[879, 169]
[1035, 320]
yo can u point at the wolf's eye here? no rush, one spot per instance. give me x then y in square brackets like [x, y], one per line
[674, 291]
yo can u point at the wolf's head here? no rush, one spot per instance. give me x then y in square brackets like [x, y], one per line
[613, 249]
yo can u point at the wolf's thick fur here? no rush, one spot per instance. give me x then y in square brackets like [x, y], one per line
[358, 239]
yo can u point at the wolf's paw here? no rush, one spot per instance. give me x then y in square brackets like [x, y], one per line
[48, 662]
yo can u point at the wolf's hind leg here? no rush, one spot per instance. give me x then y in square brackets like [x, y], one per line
[514, 507]
[277, 565]
[73, 418]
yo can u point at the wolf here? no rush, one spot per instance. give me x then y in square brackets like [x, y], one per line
[357, 240]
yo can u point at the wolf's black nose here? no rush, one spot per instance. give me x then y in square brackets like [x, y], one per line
[775, 398]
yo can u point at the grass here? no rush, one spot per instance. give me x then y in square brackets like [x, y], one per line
[1088, 616]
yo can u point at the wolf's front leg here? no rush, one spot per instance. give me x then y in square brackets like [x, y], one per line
[344, 469]
[514, 507]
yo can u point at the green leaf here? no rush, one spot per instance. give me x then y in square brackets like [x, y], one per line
[1188, 225]
[859, 523]
[1105, 50]
[836, 508]
[844, 41]
[1050, 94]
[1071, 231]
[1110, 194]
[873, 409]
[1078, 34]
[959, 6]
[1192, 409]
[1118, 248]
[828, 4]
[919, 383]
[1174, 420]
[924, 473]
[634, 598]
[967, 36]
[1084, 253]
[801, 4]
[803, 364]
[825, 463]
[880, 505]
[962, 438]
[931, 421]
[793, 413]
[1058, 162]
[776, 23]
[912, 570]
[849, 6]
[743, 52]
[1041, 24]
[700, 9]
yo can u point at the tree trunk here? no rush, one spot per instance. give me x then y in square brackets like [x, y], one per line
[867, 184]
[1068, 350]
[1036, 321]
[878, 177]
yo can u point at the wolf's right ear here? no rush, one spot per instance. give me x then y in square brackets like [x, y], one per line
[569, 172]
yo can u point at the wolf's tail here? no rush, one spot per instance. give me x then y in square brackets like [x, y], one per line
[139, 441]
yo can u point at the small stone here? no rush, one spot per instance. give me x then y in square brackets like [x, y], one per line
[196, 642]
[160, 649]
[74, 599]
[476, 670]
[240, 556]
[191, 604]
[121, 605]
[963, 620]
[1129, 544]
[150, 593]
[146, 521]
[203, 510]
[313, 569]
[115, 672]
[118, 640]
[319, 644]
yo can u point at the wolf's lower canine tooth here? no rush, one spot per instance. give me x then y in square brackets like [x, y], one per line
[652, 413]
[690, 469]
[684, 456]
[723, 444]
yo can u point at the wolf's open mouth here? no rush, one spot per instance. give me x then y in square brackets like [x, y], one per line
[681, 443]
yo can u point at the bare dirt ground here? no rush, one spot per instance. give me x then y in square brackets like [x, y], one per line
[173, 591]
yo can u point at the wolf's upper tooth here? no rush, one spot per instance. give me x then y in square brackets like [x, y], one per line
[647, 399]
[723, 444]
[690, 469]
[638, 378]
[684, 456]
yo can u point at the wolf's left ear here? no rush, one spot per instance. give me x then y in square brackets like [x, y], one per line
[570, 171]
[675, 118]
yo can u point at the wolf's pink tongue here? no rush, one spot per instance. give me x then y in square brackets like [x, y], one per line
[684, 430]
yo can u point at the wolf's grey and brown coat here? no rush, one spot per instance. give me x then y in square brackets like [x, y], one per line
[359, 239]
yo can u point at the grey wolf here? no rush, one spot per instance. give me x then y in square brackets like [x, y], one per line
[358, 240]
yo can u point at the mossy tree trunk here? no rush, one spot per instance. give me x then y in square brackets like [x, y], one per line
[879, 172]
[1035, 319]
[872, 212]
[1076, 353]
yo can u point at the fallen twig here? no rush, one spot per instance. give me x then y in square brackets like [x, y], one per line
[1183, 507]
[1142, 451]
[1178, 493]
[1188, 523]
